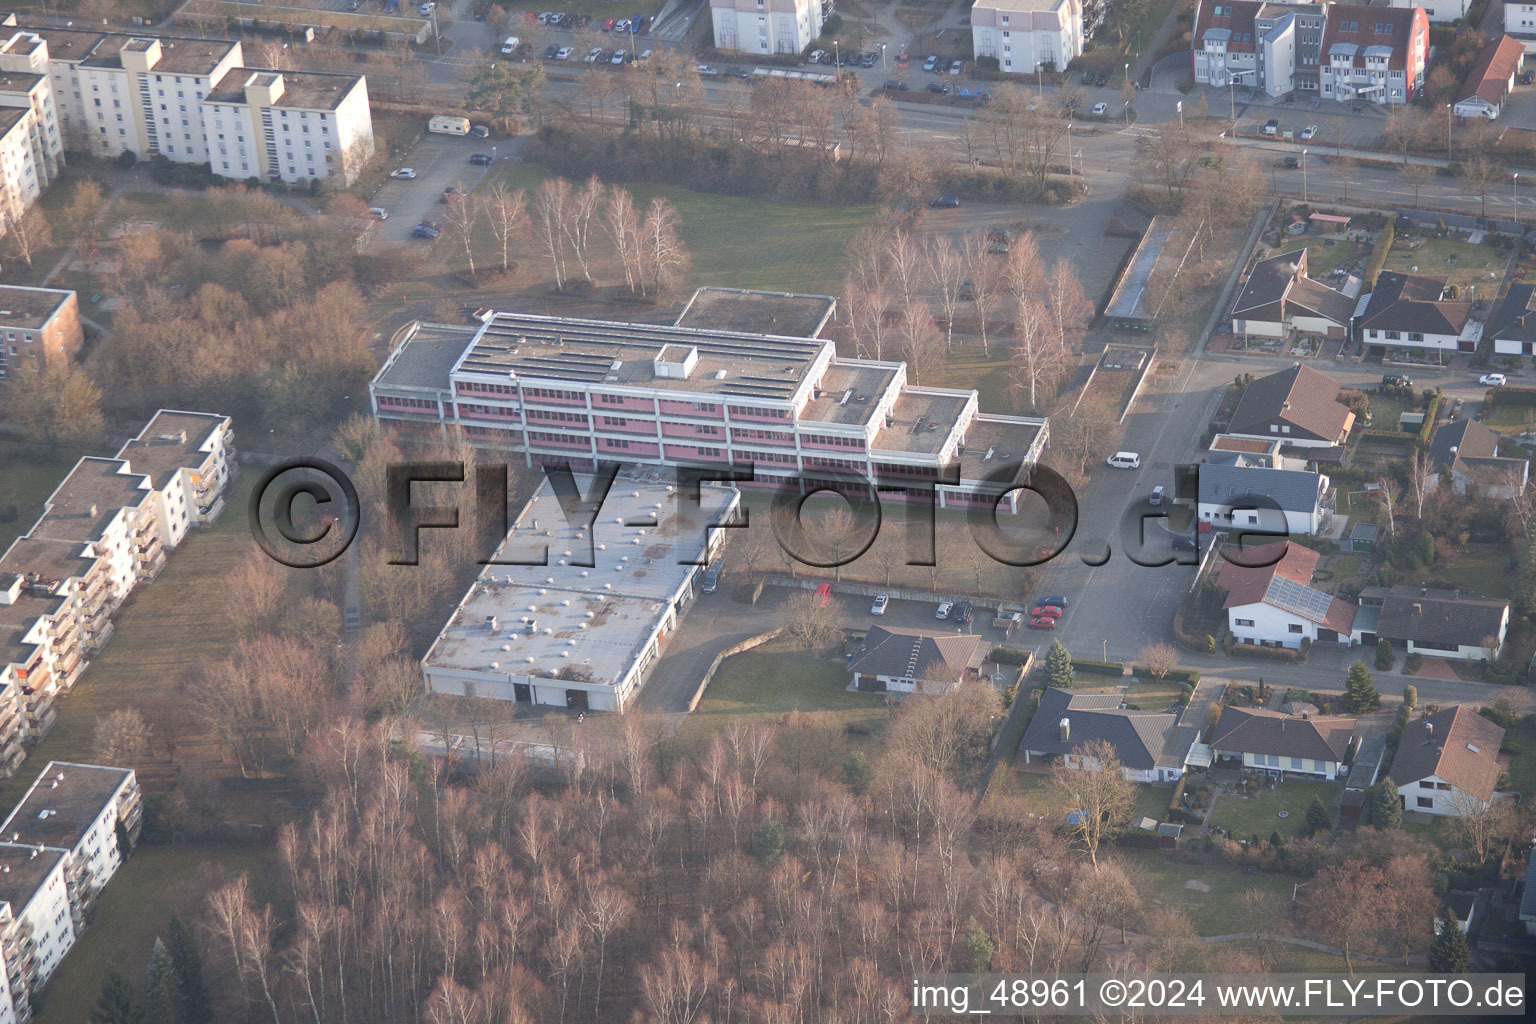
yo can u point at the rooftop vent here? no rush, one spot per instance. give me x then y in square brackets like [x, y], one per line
[1065, 728]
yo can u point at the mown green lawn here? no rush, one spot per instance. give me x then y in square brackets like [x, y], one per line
[1212, 904]
[968, 367]
[1479, 572]
[30, 474]
[766, 683]
[1460, 263]
[136, 908]
[1259, 815]
[738, 242]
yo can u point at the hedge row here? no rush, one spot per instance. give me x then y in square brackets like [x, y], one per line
[1272, 653]
[1428, 426]
[1378, 258]
[1098, 668]
[1009, 656]
[1178, 675]
[1511, 396]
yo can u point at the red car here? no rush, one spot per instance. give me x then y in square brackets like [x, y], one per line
[1042, 622]
[1046, 611]
[901, 58]
[608, 25]
[823, 594]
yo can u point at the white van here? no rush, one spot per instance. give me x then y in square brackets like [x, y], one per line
[1125, 460]
[509, 47]
[447, 124]
[1157, 496]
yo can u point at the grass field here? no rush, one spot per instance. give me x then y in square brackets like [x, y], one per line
[1522, 766]
[764, 684]
[1321, 258]
[1212, 906]
[1480, 571]
[30, 473]
[136, 908]
[967, 367]
[1258, 815]
[1151, 802]
[1458, 262]
[736, 242]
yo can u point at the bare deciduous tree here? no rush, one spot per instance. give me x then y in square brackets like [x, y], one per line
[946, 270]
[1095, 796]
[1159, 659]
[122, 737]
[505, 210]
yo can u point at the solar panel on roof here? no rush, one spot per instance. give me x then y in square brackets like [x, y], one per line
[1297, 598]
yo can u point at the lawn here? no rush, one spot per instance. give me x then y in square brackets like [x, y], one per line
[136, 908]
[30, 473]
[968, 367]
[1480, 571]
[1153, 694]
[1151, 802]
[1460, 263]
[1245, 817]
[1212, 905]
[1511, 419]
[738, 242]
[764, 684]
[1522, 766]
[1322, 258]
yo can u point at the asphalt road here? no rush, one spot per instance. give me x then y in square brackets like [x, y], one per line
[440, 161]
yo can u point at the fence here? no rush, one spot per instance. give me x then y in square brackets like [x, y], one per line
[1465, 222]
[734, 649]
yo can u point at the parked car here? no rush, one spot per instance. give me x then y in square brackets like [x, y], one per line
[896, 85]
[1309, 132]
[938, 87]
[712, 577]
[815, 57]
[405, 173]
[1055, 599]
[564, 53]
[1124, 460]
[593, 54]
[943, 610]
[1048, 611]
[510, 45]
[881, 601]
[619, 56]
[550, 51]
[1271, 127]
[608, 24]
[1156, 498]
[424, 231]
[426, 8]
[741, 73]
[622, 25]
[1493, 380]
[645, 55]
[1042, 623]
[1396, 380]
[1087, 78]
[902, 58]
[1290, 163]
[999, 240]
[962, 612]
[378, 213]
[956, 67]
[1528, 77]
[1100, 109]
[868, 60]
[823, 594]
[946, 202]
[1101, 79]
[480, 159]
[479, 131]
[931, 63]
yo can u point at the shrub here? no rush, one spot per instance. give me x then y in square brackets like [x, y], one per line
[126, 159]
[1384, 655]
[1009, 656]
[1098, 668]
[1383, 246]
[1413, 662]
[832, 26]
[1272, 653]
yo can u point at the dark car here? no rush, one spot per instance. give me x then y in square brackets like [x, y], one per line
[550, 51]
[896, 86]
[1054, 599]
[1528, 78]
[1101, 79]
[480, 160]
[938, 87]
[479, 131]
[946, 202]
[1290, 163]
[424, 231]
[962, 612]
[868, 60]
[712, 577]
[1396, 380]
[1087, 78]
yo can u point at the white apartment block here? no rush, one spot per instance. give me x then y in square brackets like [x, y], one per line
[31, 144]
[58, 849]
[195, 101]
[580, 392]
[766, 26]
[1028, 35]
[1442, 12]
[105, 529]
[1520, 20]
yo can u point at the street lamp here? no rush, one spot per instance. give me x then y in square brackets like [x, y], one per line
[1448, 133]
[1179, 106]
[1303, 175]
[1127, 82]
[882, 56]
[1516, 197]
[1232, 77]
[837, 59]
[1106, 649]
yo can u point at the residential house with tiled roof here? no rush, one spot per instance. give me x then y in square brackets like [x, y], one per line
[1466, 453]
[1513, 324]
[1447, 763]
[1415, 311]
[1271, 602]
[1316, 746]
[1298, 406]
[1460, 628]
[1283, 502]
[1373, 53]
[1151, 745]
[908, 660]
[1279, 300]
[1491, 79]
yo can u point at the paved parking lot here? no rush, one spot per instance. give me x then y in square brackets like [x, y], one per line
[439, 161]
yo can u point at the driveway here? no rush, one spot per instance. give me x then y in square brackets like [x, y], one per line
[439, 161]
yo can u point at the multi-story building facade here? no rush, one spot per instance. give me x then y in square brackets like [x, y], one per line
[767, 26]
[583, 391]
[195, 101]
[1336, 51]
[1440, 12]
[105, 529]
[1520, 20]
[31, 140]
[1028, 35]
[38, 323]
[58, 849]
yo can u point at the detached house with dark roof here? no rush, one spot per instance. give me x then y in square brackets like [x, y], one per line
[1414, 311]
[1275, 605]
[1448, 762]
[1279, 300]
[1491, 79]
[1151, 745]
[1513, 325]
[1442, 627]
[1466, 453]
[1374, 53]
[913, 660]
[1298, 406]
[1316, 746]
[1294, 502]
